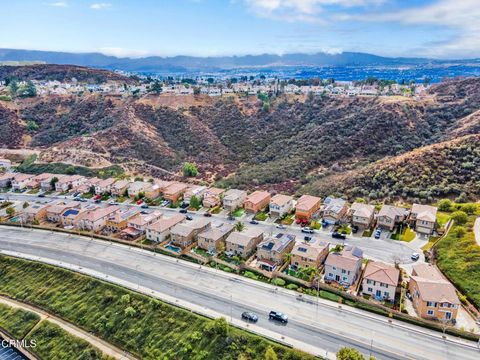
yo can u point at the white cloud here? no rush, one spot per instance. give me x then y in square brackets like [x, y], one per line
[62, 4]
[301, 10]
[461, 16]
[100, 6]
[122, 52]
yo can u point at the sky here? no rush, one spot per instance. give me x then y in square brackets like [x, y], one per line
[137, 28]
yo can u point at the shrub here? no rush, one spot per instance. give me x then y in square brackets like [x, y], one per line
[250, 275]
[444, 205]
[278, 282]
[292, 286]
[460, 217]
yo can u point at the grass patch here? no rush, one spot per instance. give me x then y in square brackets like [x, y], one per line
[53, 342]
[146, 327]
[261, 216]
[33, 191]
[17, 322]
[442, 218]
[239, 212]
[407, 234]
[367, 233]
[430, 243]
[87, 195]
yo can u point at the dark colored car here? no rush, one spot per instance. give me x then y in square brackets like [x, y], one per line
[207, 214]
[41, 195]
[254, 222]
[144, 206]
[189, 217]
[337, 235]
[184, 205]
[307, 238]
[249, 316]
[183, 211]
[97, 201]
[230, 217]
[278, 316]
[354, 229]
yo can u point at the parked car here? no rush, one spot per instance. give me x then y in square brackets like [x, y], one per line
[112, 202]
[189, 217]
[354, 229]
[83, 200]
[415, 256]
[184, 205]
[165, 203]
[140, 202]
[144, 206]
[337, 235]
[207, 214]
[280, 226]
[307, 238]
[97, 197]
[307, 230]
[278, 316]
[377, 233]
[230, 217]
[75, 194]
[298, 221]
[41, 195]
[249, 316]
[254, 222]
[183, 211]
[98, 201]
[77, 199]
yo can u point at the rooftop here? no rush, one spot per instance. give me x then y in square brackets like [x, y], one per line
[165, 224]
[277, 243]
[381, 272]
[257, 196]
[307, 202]
[280, 199]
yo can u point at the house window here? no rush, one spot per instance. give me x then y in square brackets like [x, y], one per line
[370, 289]
[369, 281]
[330, 275]
[334, 268]
[345, 278]
[386, 294]
[430, 312]
[344, 271]
[430, 304]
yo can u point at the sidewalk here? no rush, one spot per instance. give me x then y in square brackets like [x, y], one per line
[103, 346]
[476, 230]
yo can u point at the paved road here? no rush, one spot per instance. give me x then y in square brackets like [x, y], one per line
[322, 326]
[386, 250]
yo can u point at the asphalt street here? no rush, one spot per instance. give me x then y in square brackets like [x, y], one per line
[317, 323]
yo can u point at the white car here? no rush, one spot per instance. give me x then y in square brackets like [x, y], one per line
[415, 256]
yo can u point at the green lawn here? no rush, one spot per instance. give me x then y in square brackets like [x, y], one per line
[53, 342]
[146, 327]
[261, 216]
[442, 218]
[458, 256]
[239, 212]
[17, 322]
[406, 235]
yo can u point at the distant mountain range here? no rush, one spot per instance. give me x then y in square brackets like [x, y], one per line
[192, 63]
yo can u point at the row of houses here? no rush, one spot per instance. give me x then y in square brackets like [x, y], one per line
[306, 208]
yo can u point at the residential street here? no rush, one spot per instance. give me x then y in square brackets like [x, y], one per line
[323, 326]
[386, 250]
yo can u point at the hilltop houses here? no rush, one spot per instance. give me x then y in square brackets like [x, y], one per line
[256, 201]
[344, 267]
[424, 218]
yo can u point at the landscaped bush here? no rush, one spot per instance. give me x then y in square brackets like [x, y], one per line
[278, 282]
[250, 275]
[292, 286]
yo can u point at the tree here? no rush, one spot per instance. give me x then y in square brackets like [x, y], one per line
[349, 354]
[13, 87]
[195, 202]
[270, 354]
[460, 217]
[190, 169]
[53, 181]
[10, 211]
[32, 126]
[156, 87]
[445, 205]
[470, 209]
[25, 205]
[239, 226]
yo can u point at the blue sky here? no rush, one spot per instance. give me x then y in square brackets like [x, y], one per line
[434, 28]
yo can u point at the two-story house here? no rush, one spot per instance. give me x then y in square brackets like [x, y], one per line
[20, 181]
[212, 197]
[96, 219]
[104, 186]
[380, 280]
[271, 251]
[362, 215]
[307, 207]
[119, 220]
[423, 218]
[244, 243]
[389, 216]
[120, 187]
[233, 199]
[185, 234]
[280, 205]
[194, 190]
[141, 221]
[68, 182]
[344, 267]
[212, 238]
[309, 254]
[159, 231]
[256, 201]
[433, 296]
[334, 210]
[175, 191]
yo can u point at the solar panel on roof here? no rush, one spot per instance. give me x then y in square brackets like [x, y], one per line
[301, 249]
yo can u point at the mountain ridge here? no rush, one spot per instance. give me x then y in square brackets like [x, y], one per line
[191, 63]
